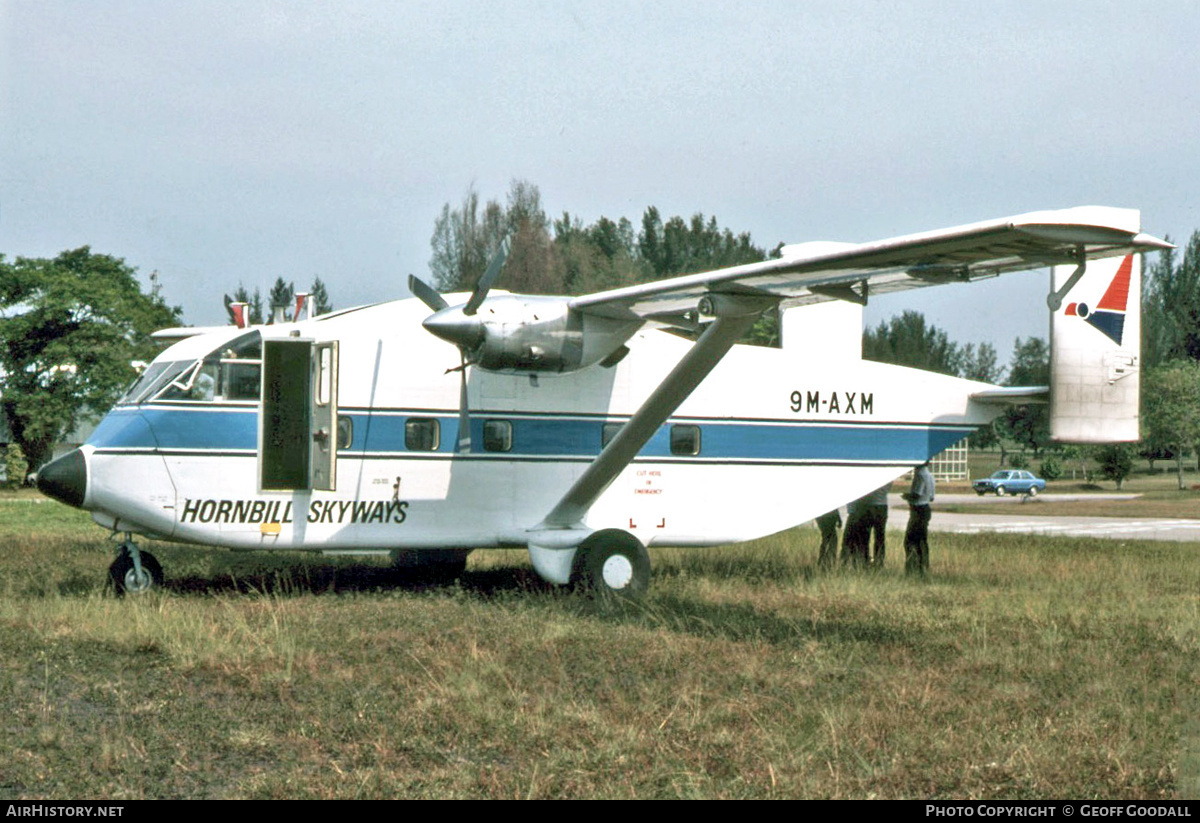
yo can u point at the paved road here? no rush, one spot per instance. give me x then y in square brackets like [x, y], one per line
[1021, 519]
[1117, 528]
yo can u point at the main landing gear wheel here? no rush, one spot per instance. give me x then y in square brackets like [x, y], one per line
[123, 574]
[611, 563]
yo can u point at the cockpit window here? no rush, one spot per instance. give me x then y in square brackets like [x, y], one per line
[153, 379]
[231, 373]
[197, 383]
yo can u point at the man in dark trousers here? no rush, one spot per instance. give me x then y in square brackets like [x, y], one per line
[854, 539]
[916, 538]
[866, 516]
[875, 514]
[828, 524]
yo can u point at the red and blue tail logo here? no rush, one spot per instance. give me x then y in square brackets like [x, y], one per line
[1109, 314]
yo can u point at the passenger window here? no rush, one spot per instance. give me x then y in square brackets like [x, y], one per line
[685, 440]
[241, 381]
[497, 436]
[609, 432]
[421, 434]
[241, 368]
[345, 432]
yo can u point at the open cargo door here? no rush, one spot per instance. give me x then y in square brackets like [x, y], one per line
[297, 427]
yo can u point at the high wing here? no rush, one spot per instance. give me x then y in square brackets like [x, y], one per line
[814, 272]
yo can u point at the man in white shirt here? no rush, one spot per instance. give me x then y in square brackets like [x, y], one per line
[916, 538]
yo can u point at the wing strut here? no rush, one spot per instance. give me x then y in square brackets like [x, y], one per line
[1055, 298]
[736, 316]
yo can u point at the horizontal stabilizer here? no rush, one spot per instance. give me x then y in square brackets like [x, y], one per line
[1013, 396]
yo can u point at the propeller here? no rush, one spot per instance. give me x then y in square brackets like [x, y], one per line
[488, 280]
[428, 294]
[455, 327]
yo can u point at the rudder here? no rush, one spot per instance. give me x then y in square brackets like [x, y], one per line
[1095, 340]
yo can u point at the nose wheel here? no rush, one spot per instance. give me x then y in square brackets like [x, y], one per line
[134, 571]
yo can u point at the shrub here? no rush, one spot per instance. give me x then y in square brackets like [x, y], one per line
[1116, 462]
[15, 466]
[1051, 468]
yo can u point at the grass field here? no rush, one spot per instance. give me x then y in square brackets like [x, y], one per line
[1024, 668]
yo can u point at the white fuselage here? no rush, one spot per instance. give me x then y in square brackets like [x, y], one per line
[770, 439]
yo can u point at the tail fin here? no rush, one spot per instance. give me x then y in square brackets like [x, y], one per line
[1095, 339]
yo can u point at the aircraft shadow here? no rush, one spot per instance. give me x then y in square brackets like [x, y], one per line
[321, 579]
[745, 623]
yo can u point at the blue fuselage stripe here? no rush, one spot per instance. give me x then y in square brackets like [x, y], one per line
[175, 429]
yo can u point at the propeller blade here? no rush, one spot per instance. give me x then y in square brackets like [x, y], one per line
[464, 410]
[488, 280]
[426, 293]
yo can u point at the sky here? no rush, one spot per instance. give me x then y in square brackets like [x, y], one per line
[227, 143]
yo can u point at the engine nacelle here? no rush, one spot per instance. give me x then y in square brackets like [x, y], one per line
[524, 333]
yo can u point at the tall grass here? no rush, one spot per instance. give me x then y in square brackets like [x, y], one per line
[1024, 667]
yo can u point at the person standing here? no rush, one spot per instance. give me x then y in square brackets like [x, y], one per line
[875, 515]
[866, 516]
[828, 524]
[916, 537]
[856, 536]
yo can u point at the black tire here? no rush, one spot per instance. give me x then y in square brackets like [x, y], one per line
[611, 564]
[1033, 491]
[979, 492]
[124, 580]
[1001, 491]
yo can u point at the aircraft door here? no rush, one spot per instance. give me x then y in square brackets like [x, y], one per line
[324, 440]
[298, 424]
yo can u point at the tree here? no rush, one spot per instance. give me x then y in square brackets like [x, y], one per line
[16, 467]
[283, 296]
[1115, 461]
[1051, 468]
[1171, 401]
[1171, 306]
[319, 298]
[566, 257]
[1078, 455]
[254, 305]
[684, 247]
[463, 241]
[531, 267]
[1030, 366]
[597, 257]
[980, 363]
[906, 340]
[71, 330]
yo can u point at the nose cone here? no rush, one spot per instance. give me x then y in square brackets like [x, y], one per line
[65, 479]
[455, 327]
